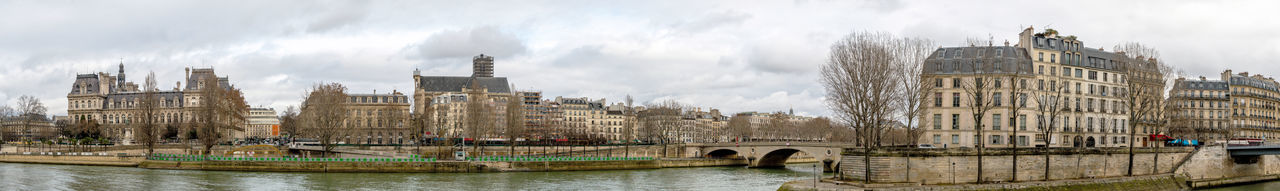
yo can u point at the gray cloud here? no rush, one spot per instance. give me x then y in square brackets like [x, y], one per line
[710, 21]
[724, 54]
[351, 12]
[470, 42]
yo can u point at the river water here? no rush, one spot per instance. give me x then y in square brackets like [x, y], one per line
[14, 176]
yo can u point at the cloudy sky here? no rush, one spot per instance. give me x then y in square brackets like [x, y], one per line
[731, 55]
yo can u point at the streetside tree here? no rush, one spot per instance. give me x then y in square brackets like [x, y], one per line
[515, 126]
[981, 92]
[290, 123]
[1146, 81]
[1018, 92]
[324, 114]
[147, 131]
[6, 113]
[628, 125]
[740, 128]
[479, 119]
[30, 111]
[858, 78]
[1048, 110]
[422, 122]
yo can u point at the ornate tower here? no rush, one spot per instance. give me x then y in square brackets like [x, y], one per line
[482, 66]
[120, 79]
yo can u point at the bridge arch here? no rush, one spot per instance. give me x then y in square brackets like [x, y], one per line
[777, 158]
[723, 153]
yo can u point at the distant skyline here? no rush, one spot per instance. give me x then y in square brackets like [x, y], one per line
[731, 55]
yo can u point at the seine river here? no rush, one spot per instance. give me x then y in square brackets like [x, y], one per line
[15, 176]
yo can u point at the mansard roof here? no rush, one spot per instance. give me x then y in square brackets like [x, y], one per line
[457, 83]
[962, 60]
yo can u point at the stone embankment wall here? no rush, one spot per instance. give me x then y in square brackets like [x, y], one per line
[681, 163]
[610, 151]
[1214, 166]
[959, 165]
[1129, 183]
[443, 166]
[73, 160]
[274, 166]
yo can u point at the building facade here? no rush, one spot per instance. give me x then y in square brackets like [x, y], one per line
[450, 95]
[378, 119]
[112, 101]
[1046, 81]
[1237, 105]
[28, 127]
[1254, 105]
[262, 123]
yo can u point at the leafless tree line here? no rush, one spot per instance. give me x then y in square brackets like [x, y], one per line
[864, 76]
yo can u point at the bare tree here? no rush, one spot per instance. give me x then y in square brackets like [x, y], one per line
[860, 92]
[778, 123]
[31, 111]
[290, 124]
[515, 121]
[662, 122]
[6, 113]
[911, 54]
[325, 114]
[1048, 110]
[817, 129]
[479, 116]
[147, 132]
[423, 121]
[628, 125]
[221, 109]
[1146, 80]
[1018, 92]
[740, 128]
[981, 91]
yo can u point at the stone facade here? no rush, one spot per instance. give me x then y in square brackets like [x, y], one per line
[378, 119]
[449, 95]
[112, 102]
[262, 123]
[1255, 102]
[1083, 84]
[959, 165]
[1200, 109]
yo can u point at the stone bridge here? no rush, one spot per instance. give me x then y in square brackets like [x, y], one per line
[769, 154]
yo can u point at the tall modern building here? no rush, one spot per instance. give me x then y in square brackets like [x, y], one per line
[1044, 81]
[112, 101]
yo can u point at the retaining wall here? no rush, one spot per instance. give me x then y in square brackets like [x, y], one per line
[959, 165]
[73, 160]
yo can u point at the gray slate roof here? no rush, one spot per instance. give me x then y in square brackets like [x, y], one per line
[961, 60]
[456, 83]
[1202, 85]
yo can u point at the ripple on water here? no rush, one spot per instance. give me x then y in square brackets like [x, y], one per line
[66, 177]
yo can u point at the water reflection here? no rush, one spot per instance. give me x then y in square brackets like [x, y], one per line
[66, 177]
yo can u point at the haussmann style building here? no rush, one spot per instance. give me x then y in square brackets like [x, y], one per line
[1044, 81]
